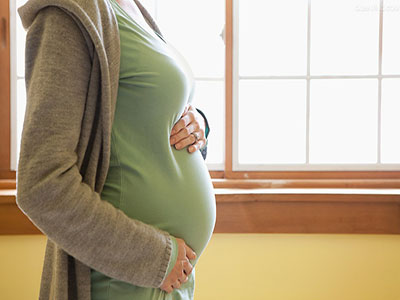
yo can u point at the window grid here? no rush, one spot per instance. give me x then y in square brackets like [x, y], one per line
[380, 79]
[308, 77]
[308, 82]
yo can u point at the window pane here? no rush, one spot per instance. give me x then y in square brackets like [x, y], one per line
[20, 42]
[344, 37]
[343, 121]
[209, 97]
[390, 151]
[391, 33]
[21, 103]
[194, 28]
[272, 37]
[20, 94]
[272, 121]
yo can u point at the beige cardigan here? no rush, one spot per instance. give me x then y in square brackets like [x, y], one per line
[72, 71]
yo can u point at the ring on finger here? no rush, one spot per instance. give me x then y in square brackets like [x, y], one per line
[196, 136]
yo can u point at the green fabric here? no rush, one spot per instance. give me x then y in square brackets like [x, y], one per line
[148, 179]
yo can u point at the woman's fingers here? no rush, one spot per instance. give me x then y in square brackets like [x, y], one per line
[186, 109]
[184, 137]
[199, 144]
[189, 140]
[190, 253]
[187, 268]
[184, 121]
[182, 132]
[176, 284]
[182, 268]
[166, 286]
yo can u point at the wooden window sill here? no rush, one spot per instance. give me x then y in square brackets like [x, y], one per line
[383, 183]
[281, 183]
[273, 210]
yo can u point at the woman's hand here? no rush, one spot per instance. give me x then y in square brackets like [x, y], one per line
[182, 268]
[183, 133]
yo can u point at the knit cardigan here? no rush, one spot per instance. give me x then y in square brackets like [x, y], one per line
[71, 72]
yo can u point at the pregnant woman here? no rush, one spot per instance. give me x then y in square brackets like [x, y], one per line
[109, 166]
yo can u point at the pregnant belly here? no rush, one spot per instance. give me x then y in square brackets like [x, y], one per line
[173, 193]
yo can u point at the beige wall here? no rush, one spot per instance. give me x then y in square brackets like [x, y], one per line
[252, 266]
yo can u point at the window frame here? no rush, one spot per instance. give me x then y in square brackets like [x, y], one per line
[5, 92]
[229, 170]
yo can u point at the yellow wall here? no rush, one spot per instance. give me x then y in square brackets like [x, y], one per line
[252, 266]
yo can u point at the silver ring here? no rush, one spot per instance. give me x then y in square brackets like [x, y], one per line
[196, 136]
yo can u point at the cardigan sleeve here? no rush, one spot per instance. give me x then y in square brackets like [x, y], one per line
[50, 189]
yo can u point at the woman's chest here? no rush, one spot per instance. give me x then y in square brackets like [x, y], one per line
[131, 9]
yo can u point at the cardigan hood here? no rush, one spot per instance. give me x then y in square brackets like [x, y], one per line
[102, 36]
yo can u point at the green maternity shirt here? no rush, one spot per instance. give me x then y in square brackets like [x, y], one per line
[148, 178]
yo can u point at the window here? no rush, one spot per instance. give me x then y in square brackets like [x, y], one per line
[292, 88]
[296, 92]
[315, 85]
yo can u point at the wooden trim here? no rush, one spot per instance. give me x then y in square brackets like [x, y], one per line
[7, 174]
[7, 184]
[272, 211]
[306, 183]
[216, 174]
[12, 219]
[228, 84]
[308, 213]
[344, 175]
[220, 183]
[7, 196]
[5, 132]
[309, 196]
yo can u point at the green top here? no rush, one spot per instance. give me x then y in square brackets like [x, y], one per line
[148, 178]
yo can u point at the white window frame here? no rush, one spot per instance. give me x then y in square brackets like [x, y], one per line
[307, 166]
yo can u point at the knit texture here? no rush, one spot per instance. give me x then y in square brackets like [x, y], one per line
[71, 68]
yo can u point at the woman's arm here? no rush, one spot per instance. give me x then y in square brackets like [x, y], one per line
[50, 189]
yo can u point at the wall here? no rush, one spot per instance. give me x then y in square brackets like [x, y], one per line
[252, 266]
